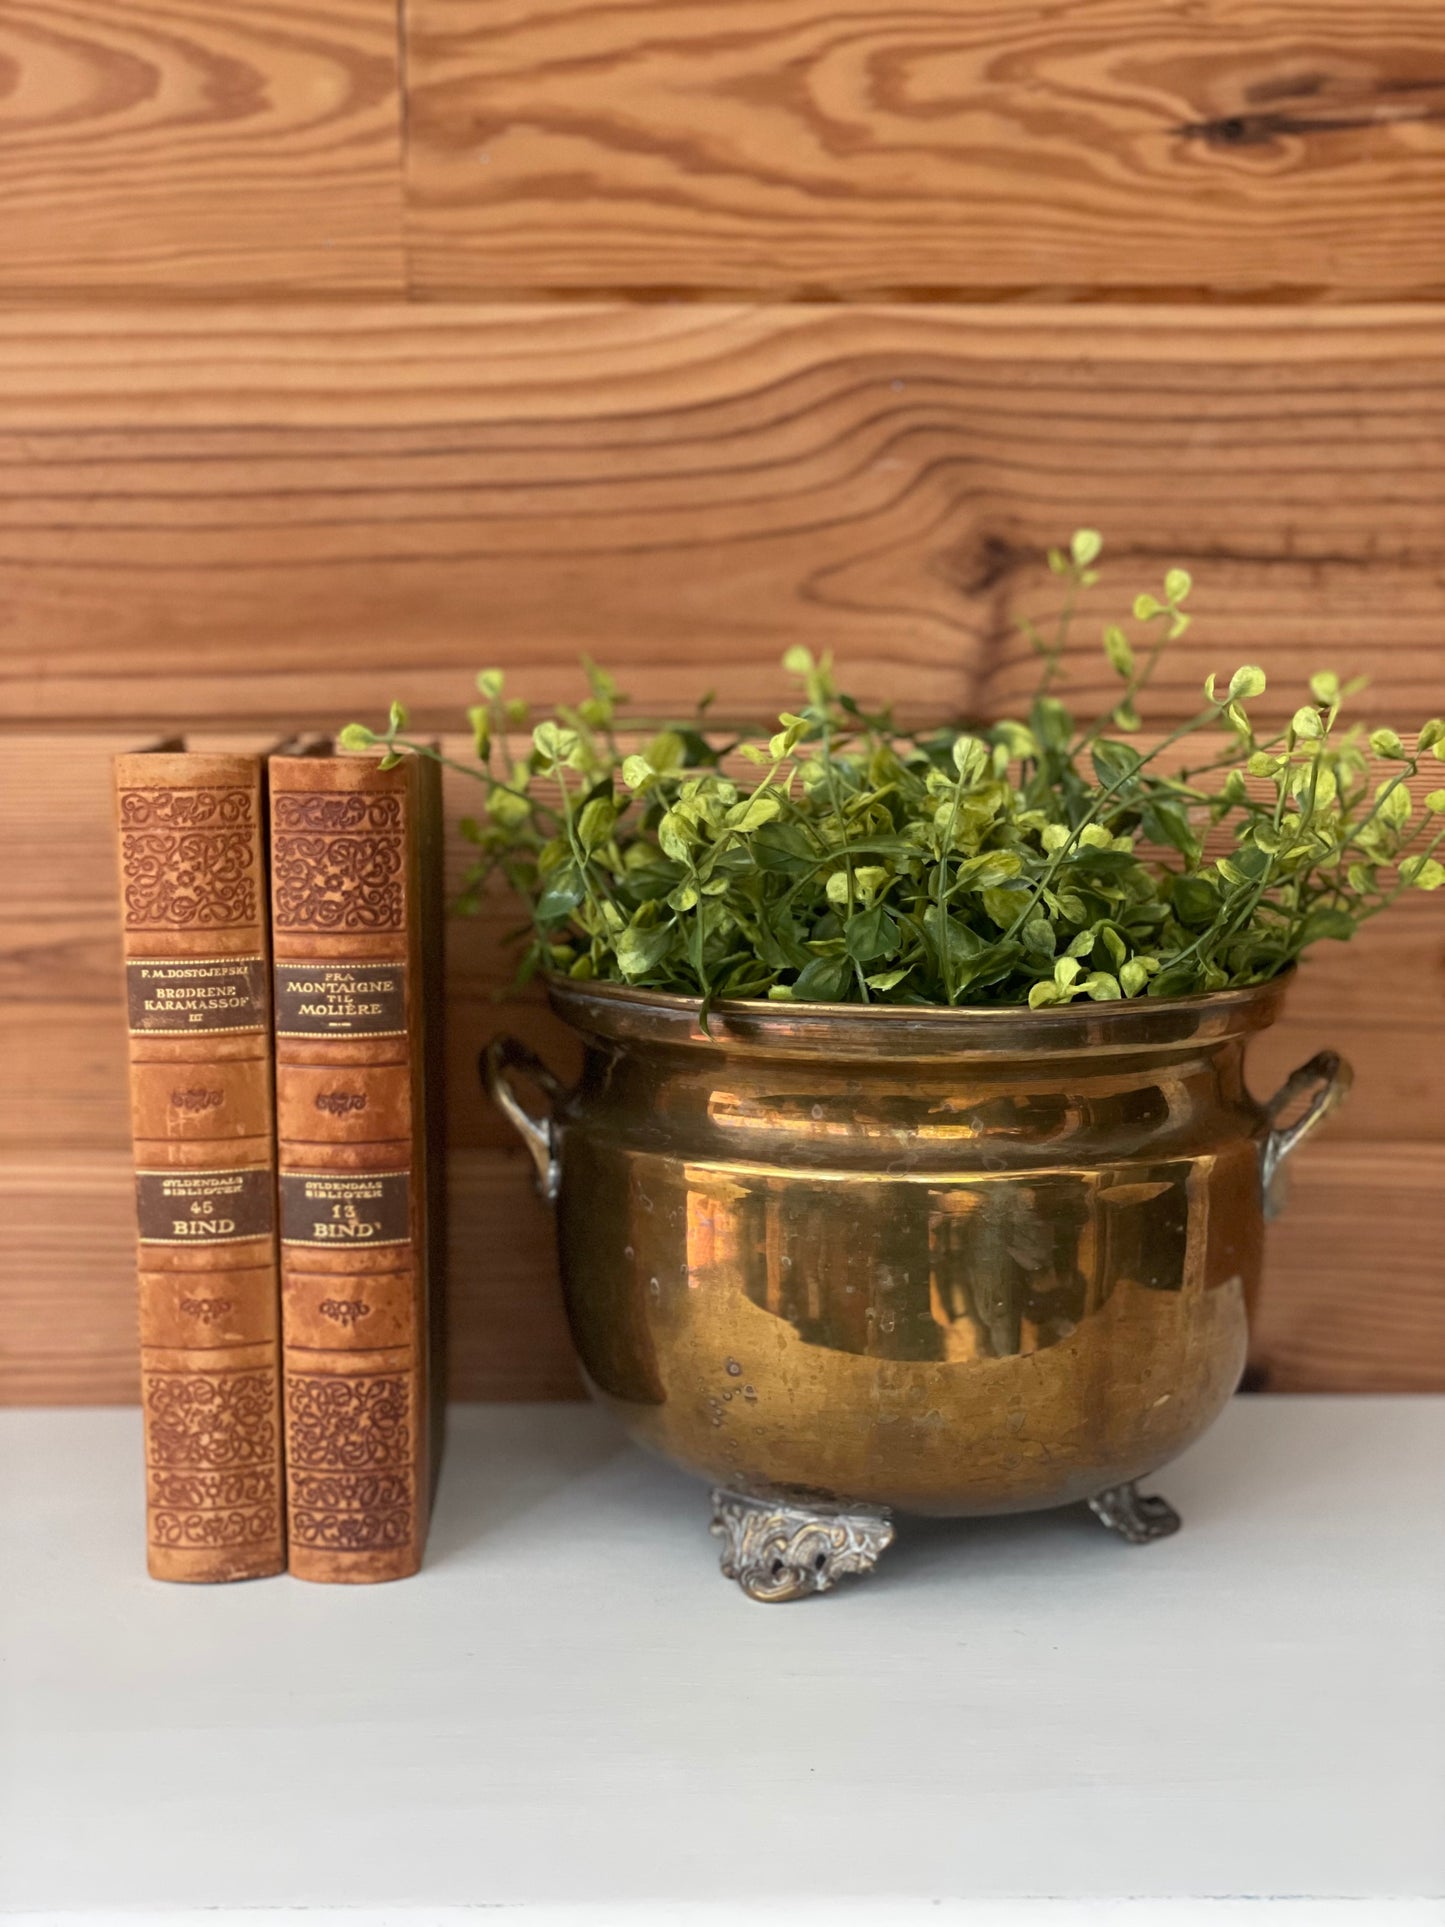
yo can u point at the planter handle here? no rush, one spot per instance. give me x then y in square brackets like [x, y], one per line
[506, 1054]
[1330, 1077]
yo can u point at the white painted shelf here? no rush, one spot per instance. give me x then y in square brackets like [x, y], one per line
[569, 1710]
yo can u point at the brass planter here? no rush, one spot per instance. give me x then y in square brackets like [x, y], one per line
[845, 1261]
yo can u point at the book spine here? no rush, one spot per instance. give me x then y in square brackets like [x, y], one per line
[347, 889]
[189, 831]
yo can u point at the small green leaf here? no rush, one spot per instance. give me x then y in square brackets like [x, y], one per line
[1394, 802]
[595, 821]
[554, 745]
[1423, 872]
[666, 752]
[1325, 688]
[1114, 763]
[1018, 741]
[789, 736]
[1384, 742]
[1166, 822]
[1086, 547]
[871, 934]
[1305, 723]
[1196, 902]
[640, 951]
[1102, 986]
[823, 981]
[1177, 584]
[356, 736]
[480, 718]
[1246, 683]
[752, 813]
[1117, 648]
[1039, 937]
[506, 809]
[562, 895]
[676, 835]
[1133, 976]
[970, 758]
[398, 717]
[1327, 922]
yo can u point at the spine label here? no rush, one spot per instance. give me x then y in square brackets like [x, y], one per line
[340, 1000]
[336, 1210]
[204, 1207]
[195, 996]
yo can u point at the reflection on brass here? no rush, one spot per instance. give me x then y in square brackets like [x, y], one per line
[945, 1261]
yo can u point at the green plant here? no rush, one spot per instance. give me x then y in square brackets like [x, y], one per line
[844, 859]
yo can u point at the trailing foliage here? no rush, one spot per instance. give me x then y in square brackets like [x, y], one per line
[844, 859]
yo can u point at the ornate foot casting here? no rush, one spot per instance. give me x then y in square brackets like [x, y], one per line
[1136, 1516]
[777, 1551]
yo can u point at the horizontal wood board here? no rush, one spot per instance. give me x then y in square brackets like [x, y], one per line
[281, 515]
[951, 148]
[200, 148]
[444, 148]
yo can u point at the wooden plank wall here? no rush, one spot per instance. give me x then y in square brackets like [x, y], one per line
[345, 351]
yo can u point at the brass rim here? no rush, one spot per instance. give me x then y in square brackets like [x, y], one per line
[620, 1012]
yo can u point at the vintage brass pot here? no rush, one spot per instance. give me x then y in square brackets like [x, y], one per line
[842, 1261]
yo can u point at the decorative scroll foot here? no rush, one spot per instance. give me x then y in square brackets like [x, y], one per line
[1136, 1516]
[777, 1551]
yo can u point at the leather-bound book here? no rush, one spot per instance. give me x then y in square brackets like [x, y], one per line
[193, 893]
[357, 916]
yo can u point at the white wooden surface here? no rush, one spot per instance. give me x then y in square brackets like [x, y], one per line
[571, 1715]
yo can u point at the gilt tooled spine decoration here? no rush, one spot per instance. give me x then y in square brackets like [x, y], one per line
[344, 1311]
[349, 1443]
[210, 1420]
[345, 1423]
[342, 881]
[311, 811]
[188, 858]
[208, 1310]
[211, 1530]
[213, 1490]
[194, 879]
[186, 809]
[211, 1451]
[351, 1512]
[206, 1510]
